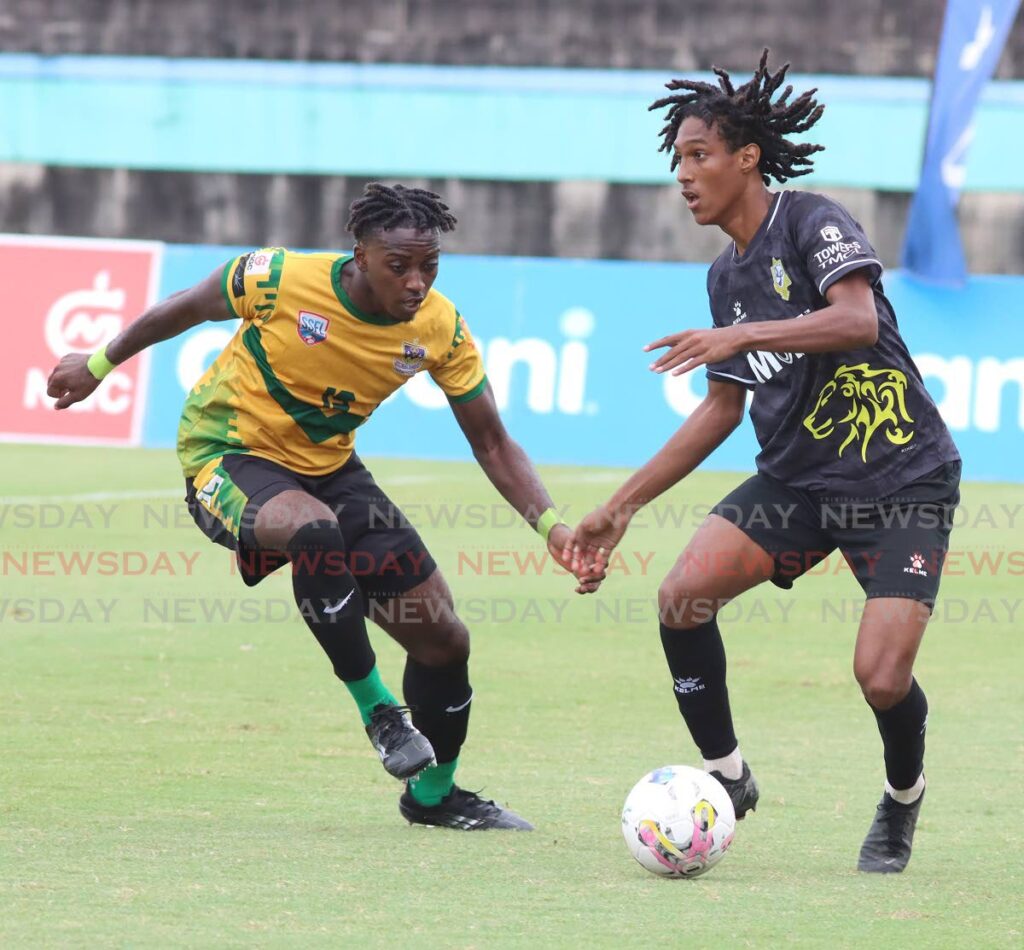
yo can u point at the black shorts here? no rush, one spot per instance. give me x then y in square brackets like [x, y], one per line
[894, 545]
[383, 552]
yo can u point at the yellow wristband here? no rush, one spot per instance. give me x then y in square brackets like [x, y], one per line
[546, 522]
[98, 364]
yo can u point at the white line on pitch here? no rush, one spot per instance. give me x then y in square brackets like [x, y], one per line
[93, 496]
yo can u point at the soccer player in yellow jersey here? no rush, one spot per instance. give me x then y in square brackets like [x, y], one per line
[266, 447]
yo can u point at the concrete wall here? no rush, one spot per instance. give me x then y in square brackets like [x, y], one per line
[568, 218]
[873, 36]
[561, 219]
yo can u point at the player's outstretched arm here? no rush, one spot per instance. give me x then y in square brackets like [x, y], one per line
[510, 471]
[849, 322]
[597, 535]
[73, 378]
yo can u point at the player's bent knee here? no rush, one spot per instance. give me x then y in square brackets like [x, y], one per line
[317, 547]
[281, 518]
[883, 690]
[318, 535]
[684, 605]
[442, 645]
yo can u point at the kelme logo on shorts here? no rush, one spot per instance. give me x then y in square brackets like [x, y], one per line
[917, 565]
[312, 328]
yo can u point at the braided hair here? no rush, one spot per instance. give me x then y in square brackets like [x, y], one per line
[384, 207]
[747, 114]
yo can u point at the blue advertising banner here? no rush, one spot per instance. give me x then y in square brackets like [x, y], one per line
[972, 39]
[563, 344]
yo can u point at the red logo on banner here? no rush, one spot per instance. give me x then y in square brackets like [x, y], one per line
[62, 296]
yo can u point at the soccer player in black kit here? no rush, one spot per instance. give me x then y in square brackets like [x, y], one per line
[853, 454]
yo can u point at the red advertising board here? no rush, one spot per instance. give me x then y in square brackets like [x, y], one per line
[67, 295]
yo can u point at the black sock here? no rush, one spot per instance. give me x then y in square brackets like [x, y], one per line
[321, 582]
[439, 697]
[902, 730]
[696, 659]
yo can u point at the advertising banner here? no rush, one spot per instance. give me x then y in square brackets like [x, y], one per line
[65, 295]
[562, 341]
[563, 344]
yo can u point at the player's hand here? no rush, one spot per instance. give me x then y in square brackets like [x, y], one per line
[596, 536]
[692, 348]
[560, 541]
[70, 381]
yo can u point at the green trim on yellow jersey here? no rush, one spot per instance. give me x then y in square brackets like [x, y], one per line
[317, 426]
[305, 369]
[472, 394]
[274, 277]
[346, 300]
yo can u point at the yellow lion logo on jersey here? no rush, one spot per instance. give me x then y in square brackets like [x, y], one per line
[865, 400]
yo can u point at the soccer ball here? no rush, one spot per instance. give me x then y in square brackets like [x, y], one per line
[678, 821]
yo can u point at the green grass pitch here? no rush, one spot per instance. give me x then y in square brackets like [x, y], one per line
[179, 767]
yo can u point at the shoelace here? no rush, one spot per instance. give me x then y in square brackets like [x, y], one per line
[896, 821]
[473, 797]
[392, 719]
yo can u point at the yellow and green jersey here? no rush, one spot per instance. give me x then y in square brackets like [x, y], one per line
[307, 367]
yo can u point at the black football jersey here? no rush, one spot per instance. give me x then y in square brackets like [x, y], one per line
[857, 422]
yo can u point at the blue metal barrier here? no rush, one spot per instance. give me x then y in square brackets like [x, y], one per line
[495, 123]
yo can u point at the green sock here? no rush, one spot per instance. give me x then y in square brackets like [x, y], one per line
[369, 693]
[433, 783]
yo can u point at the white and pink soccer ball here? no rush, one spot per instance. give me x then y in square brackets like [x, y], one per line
[678, 821]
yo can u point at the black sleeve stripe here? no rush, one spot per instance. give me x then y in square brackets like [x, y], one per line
[238, 278]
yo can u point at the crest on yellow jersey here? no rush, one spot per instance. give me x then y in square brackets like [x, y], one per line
[411, 360]
[312, 328]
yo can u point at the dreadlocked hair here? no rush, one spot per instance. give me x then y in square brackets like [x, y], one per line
[747, 114]
[383, 207]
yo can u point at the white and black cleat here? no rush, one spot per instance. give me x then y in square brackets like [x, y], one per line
[403, 749]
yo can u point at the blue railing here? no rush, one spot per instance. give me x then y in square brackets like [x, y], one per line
[431, 121]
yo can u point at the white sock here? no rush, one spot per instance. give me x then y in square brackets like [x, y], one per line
[906, 796]
[730, 766]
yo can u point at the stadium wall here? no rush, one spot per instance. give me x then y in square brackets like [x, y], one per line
[536, 162]
[875, 37]
[562, 340]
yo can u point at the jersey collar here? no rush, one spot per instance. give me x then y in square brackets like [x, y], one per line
[766, 226]
[346, 301]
